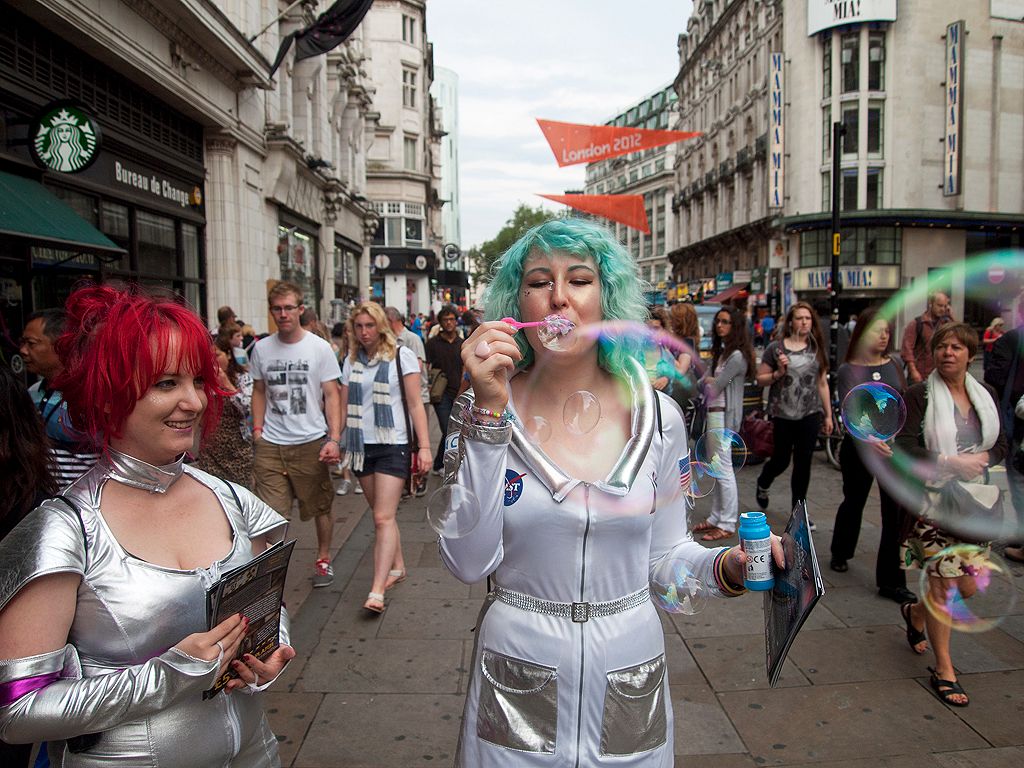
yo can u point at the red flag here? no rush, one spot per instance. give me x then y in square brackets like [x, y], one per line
[625, 209]
[573, 143]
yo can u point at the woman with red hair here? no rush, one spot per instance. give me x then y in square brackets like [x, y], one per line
[104, 651]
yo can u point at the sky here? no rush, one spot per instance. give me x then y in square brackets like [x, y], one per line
[577, 61]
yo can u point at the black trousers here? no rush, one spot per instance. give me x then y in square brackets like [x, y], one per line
[796, 438]
[857, 480]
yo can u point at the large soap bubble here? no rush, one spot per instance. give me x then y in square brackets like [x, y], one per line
[874, 412]
[453, 511]
[721, 451]
[675, 589]
[537, 429]
[977, 603]
[581, 412]
[702, 482]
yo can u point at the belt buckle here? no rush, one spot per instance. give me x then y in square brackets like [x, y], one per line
[580, 612]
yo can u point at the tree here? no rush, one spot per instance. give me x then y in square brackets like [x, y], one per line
[490, 251]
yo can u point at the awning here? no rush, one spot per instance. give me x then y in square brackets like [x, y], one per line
[28, 210]
[728, 294]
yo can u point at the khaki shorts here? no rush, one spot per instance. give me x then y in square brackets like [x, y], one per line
[286, 472]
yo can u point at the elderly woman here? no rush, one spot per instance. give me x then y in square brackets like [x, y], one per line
[104, 650]
[953, 429]
[569, 666]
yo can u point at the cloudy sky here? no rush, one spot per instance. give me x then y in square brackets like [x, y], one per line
[578, 61]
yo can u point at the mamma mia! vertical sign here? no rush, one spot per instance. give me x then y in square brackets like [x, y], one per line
[954, 108]
[776, 131]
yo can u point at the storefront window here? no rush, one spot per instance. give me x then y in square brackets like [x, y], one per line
[157, 252]
[114, 223]
[868, 245]
[190, 251]
[297, 252]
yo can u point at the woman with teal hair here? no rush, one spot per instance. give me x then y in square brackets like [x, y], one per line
[577, 515]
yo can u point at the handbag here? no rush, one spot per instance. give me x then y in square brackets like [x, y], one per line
[970, 510]
[438, 382]
[758, 432]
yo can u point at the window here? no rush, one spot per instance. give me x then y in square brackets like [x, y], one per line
[410, 154]
[876, 61]
[409, 88]
[848, 194]
[401, 227]
[826, 69]
[851, 118]
[634, 175]
[874, 194]
[413, 232]
[298, 259]
[157, 244]
[408, 29]
[393, 232]
[826, 194]
[826, 134]
[875, 115]
[861, 245]
[850, 56]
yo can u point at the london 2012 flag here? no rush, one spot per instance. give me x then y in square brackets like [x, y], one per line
[573, 143]
[625, 209]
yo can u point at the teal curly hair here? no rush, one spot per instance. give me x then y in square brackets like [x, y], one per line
[621, 293]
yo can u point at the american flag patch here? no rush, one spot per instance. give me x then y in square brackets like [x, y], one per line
[684, 472]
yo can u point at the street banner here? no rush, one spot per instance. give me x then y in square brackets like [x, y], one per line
[625, 209]
[331, 29]
[573, 143]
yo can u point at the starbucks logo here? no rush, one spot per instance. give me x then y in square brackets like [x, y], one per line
[65, 139]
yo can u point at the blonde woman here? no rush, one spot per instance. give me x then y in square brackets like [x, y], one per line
[375, 433]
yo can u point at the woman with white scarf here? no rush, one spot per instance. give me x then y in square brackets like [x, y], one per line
[952, 427]
[375, 432]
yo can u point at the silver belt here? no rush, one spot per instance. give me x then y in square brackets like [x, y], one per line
[578, 612]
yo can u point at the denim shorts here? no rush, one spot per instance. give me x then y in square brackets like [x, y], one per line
[385, 459]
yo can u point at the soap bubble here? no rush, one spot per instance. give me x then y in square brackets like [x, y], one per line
[553, 337]
[581, 412]
[537, 429]
[874, 412]
[982, 601]
[721, 451]
[702, 482]
[676, 590]
[453, 511]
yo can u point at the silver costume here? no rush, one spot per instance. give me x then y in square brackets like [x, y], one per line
[569, 664]
[119, 675]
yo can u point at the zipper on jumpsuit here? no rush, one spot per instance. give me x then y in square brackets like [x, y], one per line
[583, 576]
[235, 727]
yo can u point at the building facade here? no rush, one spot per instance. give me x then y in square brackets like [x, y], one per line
[648, 173]
[931, 164]
[189, 167]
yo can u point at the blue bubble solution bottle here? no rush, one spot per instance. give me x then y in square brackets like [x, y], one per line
[755, 539]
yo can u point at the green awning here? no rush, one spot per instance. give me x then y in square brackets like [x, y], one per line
[28, 210]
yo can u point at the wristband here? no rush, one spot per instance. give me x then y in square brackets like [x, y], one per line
[724, 585]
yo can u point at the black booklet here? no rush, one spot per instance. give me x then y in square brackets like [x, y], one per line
[256, 590]
[797, 588]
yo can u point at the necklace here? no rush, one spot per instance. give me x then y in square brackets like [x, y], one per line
[136, 473]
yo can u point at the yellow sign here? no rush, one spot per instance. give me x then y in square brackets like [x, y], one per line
[835, 244]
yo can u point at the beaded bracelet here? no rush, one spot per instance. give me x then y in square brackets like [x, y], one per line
[473, 415]
[727, 588]
[484, 412]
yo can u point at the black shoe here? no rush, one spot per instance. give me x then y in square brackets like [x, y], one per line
[762, 497]
[897, 594]
[839, 565]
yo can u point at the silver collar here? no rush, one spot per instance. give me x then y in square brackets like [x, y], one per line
[620, 478]
[136, 473]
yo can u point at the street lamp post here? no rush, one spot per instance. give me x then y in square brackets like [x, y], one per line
[838, 131]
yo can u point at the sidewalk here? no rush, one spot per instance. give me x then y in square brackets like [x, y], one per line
[389, 691]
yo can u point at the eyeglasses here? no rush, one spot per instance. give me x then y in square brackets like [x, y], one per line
[283, 310]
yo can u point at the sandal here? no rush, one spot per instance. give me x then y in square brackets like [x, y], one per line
[945, 689]
[914, 635]
[716, 534]
[374, 603]
[395, 577]
[704, 526]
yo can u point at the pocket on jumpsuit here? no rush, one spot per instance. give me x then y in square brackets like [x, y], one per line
[518, 706]
[634, 709]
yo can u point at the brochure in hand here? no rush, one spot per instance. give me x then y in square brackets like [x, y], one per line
[797, 588]
[256, 590]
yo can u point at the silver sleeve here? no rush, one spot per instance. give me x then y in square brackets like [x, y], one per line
[75, 705]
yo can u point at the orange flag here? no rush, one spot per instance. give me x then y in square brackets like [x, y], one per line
[573, 143]
[625, 209]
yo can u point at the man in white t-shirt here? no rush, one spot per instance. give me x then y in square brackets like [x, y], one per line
[296, 414]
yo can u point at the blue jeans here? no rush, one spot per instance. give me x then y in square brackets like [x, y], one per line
[443, 410]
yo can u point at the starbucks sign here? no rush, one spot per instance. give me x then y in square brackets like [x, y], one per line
[65, 138]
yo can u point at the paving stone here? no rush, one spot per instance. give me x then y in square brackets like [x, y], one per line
[922, 760]
[844, 722]
[986, 651]
[430, 618]
[682, 667]
[701, 725]
[854, 654]
[738, 663]
[358, 665]
[382, 731]
[1005, 757]
[997, 706]
[741, 616]
[715, 761]
[857, 605]
[290, 716]
[1013, 626]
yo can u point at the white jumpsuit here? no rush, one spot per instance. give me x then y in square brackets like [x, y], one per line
[546, 690]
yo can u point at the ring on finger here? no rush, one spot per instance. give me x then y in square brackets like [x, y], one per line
[483, 349]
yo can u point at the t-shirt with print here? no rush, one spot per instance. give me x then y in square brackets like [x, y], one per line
[409, 339]
[293, 375]
[795, 395]
[409, 365]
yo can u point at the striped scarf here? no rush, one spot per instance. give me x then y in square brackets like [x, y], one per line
[383, 419]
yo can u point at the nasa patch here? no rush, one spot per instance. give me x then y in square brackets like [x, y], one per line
[513, 486]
